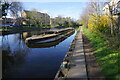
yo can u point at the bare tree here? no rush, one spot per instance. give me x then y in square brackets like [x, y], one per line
[85, 16]
[0, 9]
[14, 8]
[111, 17]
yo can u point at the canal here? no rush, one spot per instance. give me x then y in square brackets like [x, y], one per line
[36, 61]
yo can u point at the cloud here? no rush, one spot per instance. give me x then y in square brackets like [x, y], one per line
[44, 11]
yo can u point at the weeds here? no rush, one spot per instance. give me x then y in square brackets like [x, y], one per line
[107, 56]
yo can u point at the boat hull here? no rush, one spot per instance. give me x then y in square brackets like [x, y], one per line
[48, 44]
[49, 39]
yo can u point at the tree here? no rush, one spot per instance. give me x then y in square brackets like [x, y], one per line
[66, 24]
[34, 18]
[93, 15]
[111, 17]
[0, 9]
[59, 20]
[84, 18]
[115, 25]
[11, 7]
[5, 7]
[73, 24]
[15, 8]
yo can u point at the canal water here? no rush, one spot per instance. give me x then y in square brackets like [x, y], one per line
[23, 61]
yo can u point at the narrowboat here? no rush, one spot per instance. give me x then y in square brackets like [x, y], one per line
[49, 36]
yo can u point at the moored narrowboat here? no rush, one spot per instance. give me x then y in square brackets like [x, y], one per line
[49, 36]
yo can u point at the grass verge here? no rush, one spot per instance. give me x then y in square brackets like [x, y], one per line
[107, 56]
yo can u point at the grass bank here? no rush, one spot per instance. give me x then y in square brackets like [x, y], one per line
[106, 55]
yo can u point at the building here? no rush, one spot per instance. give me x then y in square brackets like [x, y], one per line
[52, 21]
[113, 6]
[42, 18]
[7, 21]
[47, 19]
[112, 9]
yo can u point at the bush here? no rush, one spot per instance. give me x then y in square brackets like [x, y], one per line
[99, 23]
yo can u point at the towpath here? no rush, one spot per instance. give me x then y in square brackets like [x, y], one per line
[83, 65]
[84, 62]
[78, 71]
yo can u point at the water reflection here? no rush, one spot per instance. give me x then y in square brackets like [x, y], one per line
[14, 51]
[22, 61]
[29, 34]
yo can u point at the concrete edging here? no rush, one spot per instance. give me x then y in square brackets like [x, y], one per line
[78, 65]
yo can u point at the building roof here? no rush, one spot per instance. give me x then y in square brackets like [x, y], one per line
[37, 12]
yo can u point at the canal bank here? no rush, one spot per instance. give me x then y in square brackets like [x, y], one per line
[74, 65]
[79, 62]
[22, 30]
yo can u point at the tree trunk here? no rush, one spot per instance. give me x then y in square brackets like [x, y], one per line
[111, 18]
[5, 23]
